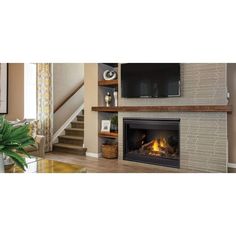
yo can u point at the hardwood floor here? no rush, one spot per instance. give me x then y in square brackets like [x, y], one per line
[101, 165]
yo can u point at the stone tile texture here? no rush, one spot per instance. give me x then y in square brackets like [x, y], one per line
[203, 135]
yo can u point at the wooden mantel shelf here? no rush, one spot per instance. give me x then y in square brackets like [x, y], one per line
[202, 108]
[108, 134]
[111, 83]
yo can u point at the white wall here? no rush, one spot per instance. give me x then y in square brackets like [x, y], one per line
[66, 77]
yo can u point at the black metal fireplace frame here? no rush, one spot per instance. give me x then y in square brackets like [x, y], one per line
[148, 159]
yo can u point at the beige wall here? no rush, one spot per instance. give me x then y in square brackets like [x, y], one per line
[15, 91]
[66, 77]
[91, 99]
[231, 75]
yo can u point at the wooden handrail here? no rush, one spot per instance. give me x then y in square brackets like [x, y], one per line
[68, 97]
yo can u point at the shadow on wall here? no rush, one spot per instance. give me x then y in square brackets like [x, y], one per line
[66, 77]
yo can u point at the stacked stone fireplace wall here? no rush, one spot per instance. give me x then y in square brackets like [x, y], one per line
[203, 135]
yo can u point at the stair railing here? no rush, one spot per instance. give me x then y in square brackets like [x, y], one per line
[72, 117]
[69, 96]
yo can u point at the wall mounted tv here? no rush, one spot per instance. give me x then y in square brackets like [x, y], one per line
[150, 80]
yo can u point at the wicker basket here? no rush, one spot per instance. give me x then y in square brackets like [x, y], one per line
[110, 151]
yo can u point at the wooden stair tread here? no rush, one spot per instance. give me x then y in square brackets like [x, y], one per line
[75, 129]
[78, 122]
[71, 137]
[72, 140]
[69, 146]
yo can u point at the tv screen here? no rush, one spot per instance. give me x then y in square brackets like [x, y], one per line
[150, 80]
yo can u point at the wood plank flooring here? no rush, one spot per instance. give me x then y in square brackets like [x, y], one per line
[101, 165]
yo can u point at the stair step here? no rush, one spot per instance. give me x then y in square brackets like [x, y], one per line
[69, 139]
[69, 148]
[75, 132]
[77, 124]
[80, 117]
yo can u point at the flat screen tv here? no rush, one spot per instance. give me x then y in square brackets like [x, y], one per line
[150, 80]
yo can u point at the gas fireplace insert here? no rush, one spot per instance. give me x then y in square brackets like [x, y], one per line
[152, 141]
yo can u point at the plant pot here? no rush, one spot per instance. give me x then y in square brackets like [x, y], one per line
[8, 163]
[114, 128]
[2, 170]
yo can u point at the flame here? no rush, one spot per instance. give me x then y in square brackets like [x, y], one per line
[155, 146]
[163, 142]
[159, 144]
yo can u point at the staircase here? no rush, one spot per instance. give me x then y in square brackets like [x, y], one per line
[72, 141]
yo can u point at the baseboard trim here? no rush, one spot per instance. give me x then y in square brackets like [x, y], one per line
[91, 154]
[232, 165]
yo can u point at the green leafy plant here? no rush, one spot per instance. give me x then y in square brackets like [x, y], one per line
[114, 123]
[114, 120]
[13, 140]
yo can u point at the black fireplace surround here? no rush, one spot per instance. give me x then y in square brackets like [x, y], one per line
[152, 141]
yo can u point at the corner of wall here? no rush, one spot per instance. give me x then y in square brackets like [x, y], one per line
[91, 139]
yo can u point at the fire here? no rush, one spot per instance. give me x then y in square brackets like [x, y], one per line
[159, 144]
[163, 142]
[155, 146]
[159, 147]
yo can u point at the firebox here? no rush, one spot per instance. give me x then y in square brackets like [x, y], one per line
[152, 141]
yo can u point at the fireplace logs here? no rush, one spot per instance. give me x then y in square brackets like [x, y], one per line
[158, 148]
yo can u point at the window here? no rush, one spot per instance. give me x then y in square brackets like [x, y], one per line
[30, 90]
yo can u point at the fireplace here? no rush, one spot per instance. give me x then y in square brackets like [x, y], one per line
[152, 141]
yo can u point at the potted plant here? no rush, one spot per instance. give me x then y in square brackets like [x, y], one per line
[114, 123]
[13, 140]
